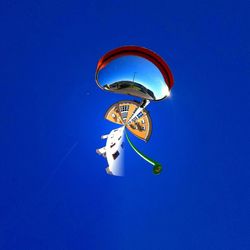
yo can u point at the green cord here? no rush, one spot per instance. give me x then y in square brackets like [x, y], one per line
[157, 166]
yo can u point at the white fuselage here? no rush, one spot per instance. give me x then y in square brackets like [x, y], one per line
[113, 151]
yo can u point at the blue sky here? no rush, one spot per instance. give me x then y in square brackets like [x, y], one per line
[55, 193]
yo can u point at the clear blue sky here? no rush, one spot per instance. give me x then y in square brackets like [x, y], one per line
[54, 190]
